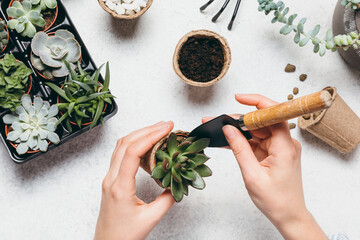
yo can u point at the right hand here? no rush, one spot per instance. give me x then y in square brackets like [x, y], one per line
[271, 168]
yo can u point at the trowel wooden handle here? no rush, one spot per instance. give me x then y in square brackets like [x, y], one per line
[288, 110]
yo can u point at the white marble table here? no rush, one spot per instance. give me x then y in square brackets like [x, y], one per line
[57, 196]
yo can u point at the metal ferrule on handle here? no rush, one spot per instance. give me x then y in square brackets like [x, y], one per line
[288, 110]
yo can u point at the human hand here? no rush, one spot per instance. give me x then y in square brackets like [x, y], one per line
[122, 214]
[271, 168]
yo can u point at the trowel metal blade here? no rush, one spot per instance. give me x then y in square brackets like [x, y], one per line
[213, 130]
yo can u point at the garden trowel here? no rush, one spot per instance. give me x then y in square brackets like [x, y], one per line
[262, 118]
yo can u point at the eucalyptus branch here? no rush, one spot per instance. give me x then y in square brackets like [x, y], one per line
[328, 42]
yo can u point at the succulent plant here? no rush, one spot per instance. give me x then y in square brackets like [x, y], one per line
[83, 97]
[182, 164]
[354, 4]
[25, 18]
[51, 52]
[14, 77]
[32, 125]
[3, 35]
[328, 42]
[45, 4]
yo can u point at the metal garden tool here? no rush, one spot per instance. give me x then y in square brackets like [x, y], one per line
[262, 118]
[215, 18]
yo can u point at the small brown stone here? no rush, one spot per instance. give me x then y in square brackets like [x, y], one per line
[302, 77]
[292, 125]
[296, 90]
[290, 68]
[307, 116]
[290, 97]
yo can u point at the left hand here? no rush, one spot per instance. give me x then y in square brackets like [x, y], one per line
[123, 215]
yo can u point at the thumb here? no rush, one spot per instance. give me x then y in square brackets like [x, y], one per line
[161, 205]
[242, 150]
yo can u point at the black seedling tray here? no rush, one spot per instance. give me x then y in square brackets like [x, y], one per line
[20, 47]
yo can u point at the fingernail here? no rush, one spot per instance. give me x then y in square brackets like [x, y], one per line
[166, 126]
[229, 132]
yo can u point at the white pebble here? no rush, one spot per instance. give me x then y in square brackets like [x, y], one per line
[142, 3]
[111, 5]
[128, 7]
[120, 9]
[129, 12]
[137, 9]
[131, 6]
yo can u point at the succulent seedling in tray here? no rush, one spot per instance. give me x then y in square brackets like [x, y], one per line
[39, 62]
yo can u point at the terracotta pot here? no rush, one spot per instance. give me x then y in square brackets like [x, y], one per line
[8, 37]
[338, 125]
[124, 16]
[346, 20]
[148, 162]
[52, 22]
[202, 34]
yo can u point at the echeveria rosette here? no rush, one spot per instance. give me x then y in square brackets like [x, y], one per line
[45, 4]
[25, 18]
[49, 53]
[3, 35]
[181, 165]
[32, 125]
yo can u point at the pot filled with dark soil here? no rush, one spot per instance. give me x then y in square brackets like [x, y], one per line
[202, 58]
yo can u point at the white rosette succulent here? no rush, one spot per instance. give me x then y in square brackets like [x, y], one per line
[33, 125]
[45, 4]
[51, 52]
[25, 18]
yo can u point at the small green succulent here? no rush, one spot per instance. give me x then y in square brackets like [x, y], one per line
[3, 35]
[354, 4]
[45, 4]
[182, 164]
[32, 125]
[14, 77]
[83, 97]
[25, 18]
[51, 52]
[328, 42]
